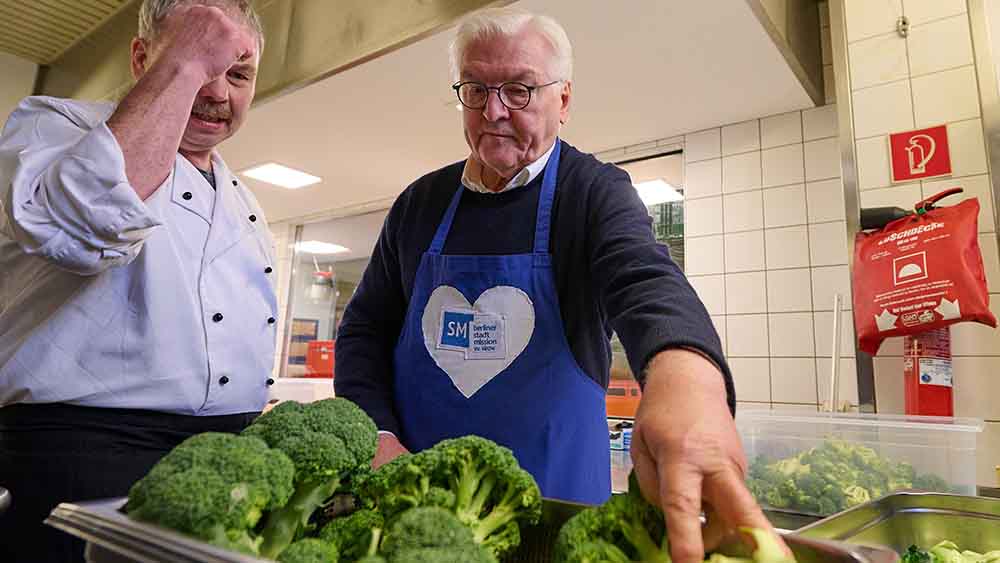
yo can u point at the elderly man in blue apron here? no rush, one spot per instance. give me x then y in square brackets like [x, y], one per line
[495, 284]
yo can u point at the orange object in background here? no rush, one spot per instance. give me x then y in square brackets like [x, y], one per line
[319, 359]
[623, 398]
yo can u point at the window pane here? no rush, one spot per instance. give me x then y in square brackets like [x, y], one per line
[666, 211]
[330, 258]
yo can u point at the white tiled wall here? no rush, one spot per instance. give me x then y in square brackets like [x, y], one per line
[766, 244]
[766, 237]
[926, 79]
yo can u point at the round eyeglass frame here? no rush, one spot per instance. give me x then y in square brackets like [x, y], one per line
[457, 87]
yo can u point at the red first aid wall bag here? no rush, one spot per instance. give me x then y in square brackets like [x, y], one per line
[920, 273]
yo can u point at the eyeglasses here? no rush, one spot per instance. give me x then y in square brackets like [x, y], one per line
[513, 95]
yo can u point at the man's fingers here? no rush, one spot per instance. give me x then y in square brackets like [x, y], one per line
[645, 471]
[715, 530]
[680, 496]
[735, 505]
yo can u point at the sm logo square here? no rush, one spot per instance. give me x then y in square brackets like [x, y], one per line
[455, 330]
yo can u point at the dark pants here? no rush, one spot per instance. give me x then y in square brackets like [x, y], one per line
[62, 453]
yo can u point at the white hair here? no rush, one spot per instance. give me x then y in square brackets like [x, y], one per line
[507, 22]
[153, 12]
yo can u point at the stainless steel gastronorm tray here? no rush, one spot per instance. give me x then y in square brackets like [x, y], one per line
[903, 519]
[115, 538]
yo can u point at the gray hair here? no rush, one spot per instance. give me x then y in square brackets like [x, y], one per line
[153, 12]
[508, 22]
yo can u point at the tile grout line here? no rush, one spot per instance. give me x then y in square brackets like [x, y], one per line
[955, 122]
[767, 298]
[812, 304]
[909, 76]
[725, 287]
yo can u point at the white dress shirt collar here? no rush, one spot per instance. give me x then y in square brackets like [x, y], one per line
[471, 174]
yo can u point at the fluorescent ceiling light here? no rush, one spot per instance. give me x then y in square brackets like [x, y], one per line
[319, 247]
[283, 176]
[657, 191]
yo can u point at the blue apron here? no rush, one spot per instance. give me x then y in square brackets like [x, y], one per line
[483, 351]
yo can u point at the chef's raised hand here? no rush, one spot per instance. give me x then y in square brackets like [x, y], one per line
[687, 455]
[206, 41]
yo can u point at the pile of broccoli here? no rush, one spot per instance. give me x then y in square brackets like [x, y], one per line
[277, 491]
[626, 528]
[832, 477]
[473, 478]
[948, 552]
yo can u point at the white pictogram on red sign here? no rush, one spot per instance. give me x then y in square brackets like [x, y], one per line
[918, 154]
[909, 268]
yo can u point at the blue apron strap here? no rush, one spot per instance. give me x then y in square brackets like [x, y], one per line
[543, 223]
[442, 233]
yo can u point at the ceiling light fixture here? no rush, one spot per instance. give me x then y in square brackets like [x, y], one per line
[320, 247]
[283, 176]
[657, 191]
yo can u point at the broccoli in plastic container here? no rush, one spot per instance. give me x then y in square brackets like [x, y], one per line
[832, 477]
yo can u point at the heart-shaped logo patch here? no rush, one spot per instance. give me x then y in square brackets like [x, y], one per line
[474, 343]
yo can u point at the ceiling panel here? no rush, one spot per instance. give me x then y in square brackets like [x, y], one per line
[42, 30]
[653, 70]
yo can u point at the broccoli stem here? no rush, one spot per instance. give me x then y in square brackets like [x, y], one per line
[502, 513]
[465, 485]
[648, 551]
[283, 524]
[376, 539]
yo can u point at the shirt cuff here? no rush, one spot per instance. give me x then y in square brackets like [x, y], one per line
[91, 177]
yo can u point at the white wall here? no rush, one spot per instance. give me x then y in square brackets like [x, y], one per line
[18, 80]
[766, 250]
[925, 79]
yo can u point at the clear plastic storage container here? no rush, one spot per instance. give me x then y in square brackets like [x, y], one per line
[822, 463]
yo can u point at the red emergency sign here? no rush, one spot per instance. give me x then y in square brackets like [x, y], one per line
[920, 154]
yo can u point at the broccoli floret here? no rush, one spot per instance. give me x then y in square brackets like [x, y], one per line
[627, 522]
[947, 552]
[856, 495]
[627, 529]
[916, 555]
[352, 534]
[491, 490]
[309, 550]
[432, 535]
[425, 527]
[216, 487]
[475, 478]
[930, 483]
[596, 551]
[326, 440]
[404, 483]
[901, 477]
[437, 496]
[462, 554]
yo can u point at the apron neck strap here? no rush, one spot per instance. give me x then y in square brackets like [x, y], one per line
[442, 232]
[543, 222]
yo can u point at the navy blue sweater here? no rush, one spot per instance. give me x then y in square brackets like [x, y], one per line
[610, 274]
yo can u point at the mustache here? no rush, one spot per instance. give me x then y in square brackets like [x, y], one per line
[215, 111]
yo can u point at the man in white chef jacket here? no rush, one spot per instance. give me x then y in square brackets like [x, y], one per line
[137, 304]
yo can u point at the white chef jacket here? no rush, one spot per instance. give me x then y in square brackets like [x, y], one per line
[106, 300]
